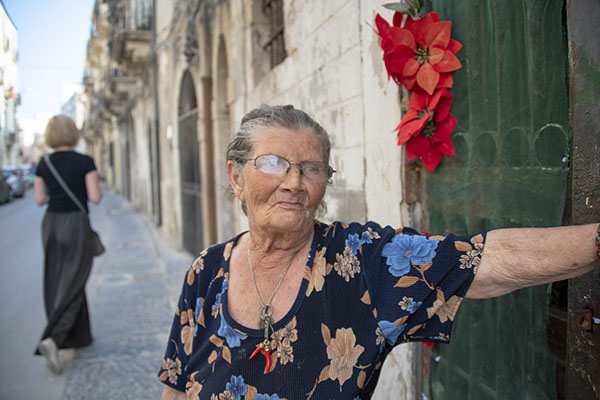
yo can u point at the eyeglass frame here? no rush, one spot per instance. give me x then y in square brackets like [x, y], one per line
[329, 170]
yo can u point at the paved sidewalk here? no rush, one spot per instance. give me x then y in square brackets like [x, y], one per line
[132, 293]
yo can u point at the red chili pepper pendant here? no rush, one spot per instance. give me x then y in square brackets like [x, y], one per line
[267, 361]
[264, 346]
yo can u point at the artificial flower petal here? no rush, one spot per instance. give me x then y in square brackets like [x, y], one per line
[427, 78]
[449, 63]
[418, 100]
[454, 46]
[431, 160]
[437, 34]
[407, 82]
[444, 128]
[445, 147]
[411, 126]
[417, 146]
[410, 67]
[436, 54]
[446, 80]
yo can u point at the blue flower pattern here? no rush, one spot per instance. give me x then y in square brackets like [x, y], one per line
[354, 243]
[232, 336]
[261, 396]
[237, 387]
[391, 256]
[405, 250]
[391, 331]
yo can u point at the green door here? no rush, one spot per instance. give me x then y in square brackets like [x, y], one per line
[510, 170]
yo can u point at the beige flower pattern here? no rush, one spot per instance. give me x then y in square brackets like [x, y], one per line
[193, 388]
[316, 275]
[445, 310]
[281, 342]
[472, 257]
[405, 302]
[172, 370]
[187, 331]
[346, 265]
[343, 352]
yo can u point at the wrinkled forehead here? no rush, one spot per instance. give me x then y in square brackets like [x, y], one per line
[293, 144]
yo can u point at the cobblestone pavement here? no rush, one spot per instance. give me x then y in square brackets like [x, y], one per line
[132, 293]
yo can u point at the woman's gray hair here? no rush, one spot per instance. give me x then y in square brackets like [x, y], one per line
[241, 146]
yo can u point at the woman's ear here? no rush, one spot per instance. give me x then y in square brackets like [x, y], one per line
[236, 180]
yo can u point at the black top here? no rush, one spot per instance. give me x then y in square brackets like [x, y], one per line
[72, 167]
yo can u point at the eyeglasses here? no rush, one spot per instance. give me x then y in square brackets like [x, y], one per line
[272, 164]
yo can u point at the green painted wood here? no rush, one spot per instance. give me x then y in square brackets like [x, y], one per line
[511, 103]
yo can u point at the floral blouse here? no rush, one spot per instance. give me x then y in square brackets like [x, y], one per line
[365, 289]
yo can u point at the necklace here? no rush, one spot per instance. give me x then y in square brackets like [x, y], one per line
[266, 312]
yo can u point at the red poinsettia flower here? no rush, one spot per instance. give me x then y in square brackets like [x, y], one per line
[394, 41]
[426, 128]
[420, 52]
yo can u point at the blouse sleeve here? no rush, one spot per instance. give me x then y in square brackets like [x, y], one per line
[178, 351]
[89, 165]
[416, 282]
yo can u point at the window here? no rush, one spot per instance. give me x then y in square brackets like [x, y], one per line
[274, 45]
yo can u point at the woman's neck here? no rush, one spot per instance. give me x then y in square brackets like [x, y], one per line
[63, 148]
[263, 241]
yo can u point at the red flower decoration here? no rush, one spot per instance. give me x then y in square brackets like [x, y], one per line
[421, 52]
[426, 128]
[420, 55]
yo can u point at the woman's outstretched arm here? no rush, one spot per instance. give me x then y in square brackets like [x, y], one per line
[523, 257]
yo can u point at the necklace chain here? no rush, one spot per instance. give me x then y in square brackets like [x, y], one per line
[266, 310]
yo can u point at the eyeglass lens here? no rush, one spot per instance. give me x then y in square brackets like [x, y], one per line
[275, 165]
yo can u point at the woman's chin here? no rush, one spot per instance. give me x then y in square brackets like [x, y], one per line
[291, 220]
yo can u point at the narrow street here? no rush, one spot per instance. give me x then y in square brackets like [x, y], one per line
[131, 293]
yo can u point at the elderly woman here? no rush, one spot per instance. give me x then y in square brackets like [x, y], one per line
[298, 309]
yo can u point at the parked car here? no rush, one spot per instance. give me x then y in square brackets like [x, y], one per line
[4, 190]
[28, 173]
[14, 177]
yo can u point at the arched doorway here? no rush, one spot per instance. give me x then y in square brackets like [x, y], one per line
[226, 218]
[189, 165]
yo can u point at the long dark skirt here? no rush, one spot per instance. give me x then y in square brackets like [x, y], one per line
[67, 266]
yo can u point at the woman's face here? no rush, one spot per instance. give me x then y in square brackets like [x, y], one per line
[285, 202]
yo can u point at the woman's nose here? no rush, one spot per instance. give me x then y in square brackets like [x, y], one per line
[293, 177]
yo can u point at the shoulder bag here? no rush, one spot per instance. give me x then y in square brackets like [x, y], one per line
[97, 246]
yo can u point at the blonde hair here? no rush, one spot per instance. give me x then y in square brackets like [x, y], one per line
[61, 131]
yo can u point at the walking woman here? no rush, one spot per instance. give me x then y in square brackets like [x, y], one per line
[68, 244]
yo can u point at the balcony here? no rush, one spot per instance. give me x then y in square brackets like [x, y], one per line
[121, 91]
[132, 37]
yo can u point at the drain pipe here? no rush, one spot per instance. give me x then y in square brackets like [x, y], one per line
[157, 191]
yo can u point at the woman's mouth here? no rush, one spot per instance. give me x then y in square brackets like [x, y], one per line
[290, 205]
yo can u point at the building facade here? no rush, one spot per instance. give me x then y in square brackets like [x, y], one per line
[10, 144]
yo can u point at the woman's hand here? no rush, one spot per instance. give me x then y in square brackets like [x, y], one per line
[171, 394]
[516, 258]
[40, 193]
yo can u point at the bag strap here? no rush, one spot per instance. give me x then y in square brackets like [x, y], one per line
[63, 184]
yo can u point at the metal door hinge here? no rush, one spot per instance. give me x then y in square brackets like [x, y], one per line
[583, 320]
